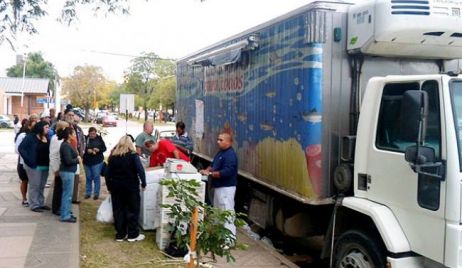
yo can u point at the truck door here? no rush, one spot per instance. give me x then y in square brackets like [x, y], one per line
[417, 201]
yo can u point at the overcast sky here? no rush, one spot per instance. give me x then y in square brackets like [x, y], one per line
[170, 28]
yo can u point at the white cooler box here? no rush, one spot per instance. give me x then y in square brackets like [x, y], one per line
[149, 204]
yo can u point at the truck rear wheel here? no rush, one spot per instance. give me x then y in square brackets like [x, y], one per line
[355, 249]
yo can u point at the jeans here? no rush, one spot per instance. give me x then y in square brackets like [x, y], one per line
[93, 175]
[67, 179]
[37, 181]
[57, 195]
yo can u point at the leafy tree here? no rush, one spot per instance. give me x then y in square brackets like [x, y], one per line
[86, 86]
[36, 67]
[212, 236]
[19, 15]
[144, 75]
[164, 93]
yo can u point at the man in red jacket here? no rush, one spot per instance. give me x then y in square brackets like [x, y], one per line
[162, 150]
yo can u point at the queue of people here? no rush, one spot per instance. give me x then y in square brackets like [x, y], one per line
[48, 146]
[57, 147]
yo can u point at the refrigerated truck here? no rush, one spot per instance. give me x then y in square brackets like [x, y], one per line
[347, 123]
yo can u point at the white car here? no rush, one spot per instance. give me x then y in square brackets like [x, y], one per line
[5, 122]
[164, 133]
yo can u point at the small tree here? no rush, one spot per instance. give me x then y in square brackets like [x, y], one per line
[212, 236]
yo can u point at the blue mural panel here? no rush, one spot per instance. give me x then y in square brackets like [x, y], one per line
[271, 101]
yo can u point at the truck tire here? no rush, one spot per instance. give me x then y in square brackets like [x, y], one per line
[355, 249]
[343, 178]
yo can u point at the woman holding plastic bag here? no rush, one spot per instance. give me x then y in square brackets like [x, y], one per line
[123, 175]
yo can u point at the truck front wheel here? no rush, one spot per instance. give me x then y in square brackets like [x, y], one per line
[354, 249]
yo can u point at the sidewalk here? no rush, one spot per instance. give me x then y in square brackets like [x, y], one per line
[30, 239]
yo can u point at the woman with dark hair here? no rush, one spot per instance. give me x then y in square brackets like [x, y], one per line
[69, 161]
[23, 131]
[123, 176]
[34, 150]
[93, 162]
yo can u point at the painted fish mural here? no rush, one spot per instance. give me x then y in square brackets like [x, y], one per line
[271, 100]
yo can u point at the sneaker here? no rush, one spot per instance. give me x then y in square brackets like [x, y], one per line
[25, 203]
[45, 208]
[95, 197]
[71, 220]
[37, 210]
[47, 185]
[87, 196]
[121, 239]
[138, 238]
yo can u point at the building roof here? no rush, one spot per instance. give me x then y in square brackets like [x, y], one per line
[14, 85]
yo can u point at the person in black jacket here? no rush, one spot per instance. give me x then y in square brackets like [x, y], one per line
[34, 150]
[123, 175]
[69, 161]
[93, 162]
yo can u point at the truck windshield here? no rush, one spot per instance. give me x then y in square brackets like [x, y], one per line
[456, 97]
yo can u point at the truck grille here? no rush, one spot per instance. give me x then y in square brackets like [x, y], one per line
[410, 7]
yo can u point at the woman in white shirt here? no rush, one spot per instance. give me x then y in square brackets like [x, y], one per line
[55, 161]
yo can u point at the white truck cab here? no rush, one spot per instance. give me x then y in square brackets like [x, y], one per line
[408, 156]
[415, 203]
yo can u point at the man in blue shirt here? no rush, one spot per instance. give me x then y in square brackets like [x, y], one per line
[223, 172]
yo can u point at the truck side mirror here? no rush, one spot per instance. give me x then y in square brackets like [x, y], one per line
[422, 160]
[414, 111]
[420, 154]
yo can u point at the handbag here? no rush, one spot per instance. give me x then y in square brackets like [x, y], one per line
[103, 169]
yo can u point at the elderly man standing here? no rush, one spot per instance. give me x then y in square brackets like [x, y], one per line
[223, 172]
[143, 137]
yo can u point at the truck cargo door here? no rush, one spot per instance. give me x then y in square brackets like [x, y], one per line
[417, 201]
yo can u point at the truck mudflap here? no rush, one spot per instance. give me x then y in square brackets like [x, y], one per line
[383, 218]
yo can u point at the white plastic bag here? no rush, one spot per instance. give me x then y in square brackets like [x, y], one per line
[104, 213]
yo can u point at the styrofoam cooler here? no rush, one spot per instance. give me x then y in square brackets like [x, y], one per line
[149, 204]
[163, 234]
[162, 218]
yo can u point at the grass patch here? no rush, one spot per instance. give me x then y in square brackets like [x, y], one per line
[98, 247]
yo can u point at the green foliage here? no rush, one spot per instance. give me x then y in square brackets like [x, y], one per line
[36, 67]
[87, 86]
[150, 78]
[212, 236]
[166, 92]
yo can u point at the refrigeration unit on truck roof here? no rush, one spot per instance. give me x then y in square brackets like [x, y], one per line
[406, 28]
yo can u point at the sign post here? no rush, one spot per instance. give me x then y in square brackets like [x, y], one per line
[127, 104]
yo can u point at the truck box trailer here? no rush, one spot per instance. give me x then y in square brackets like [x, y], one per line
[344, 118]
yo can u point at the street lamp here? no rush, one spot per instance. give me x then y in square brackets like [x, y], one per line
[24, 59]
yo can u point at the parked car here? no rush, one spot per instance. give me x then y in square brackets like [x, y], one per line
[109, 121]
[5, 122]
[79, 112]
[164, 134]
[115, 115]
[100, 116]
